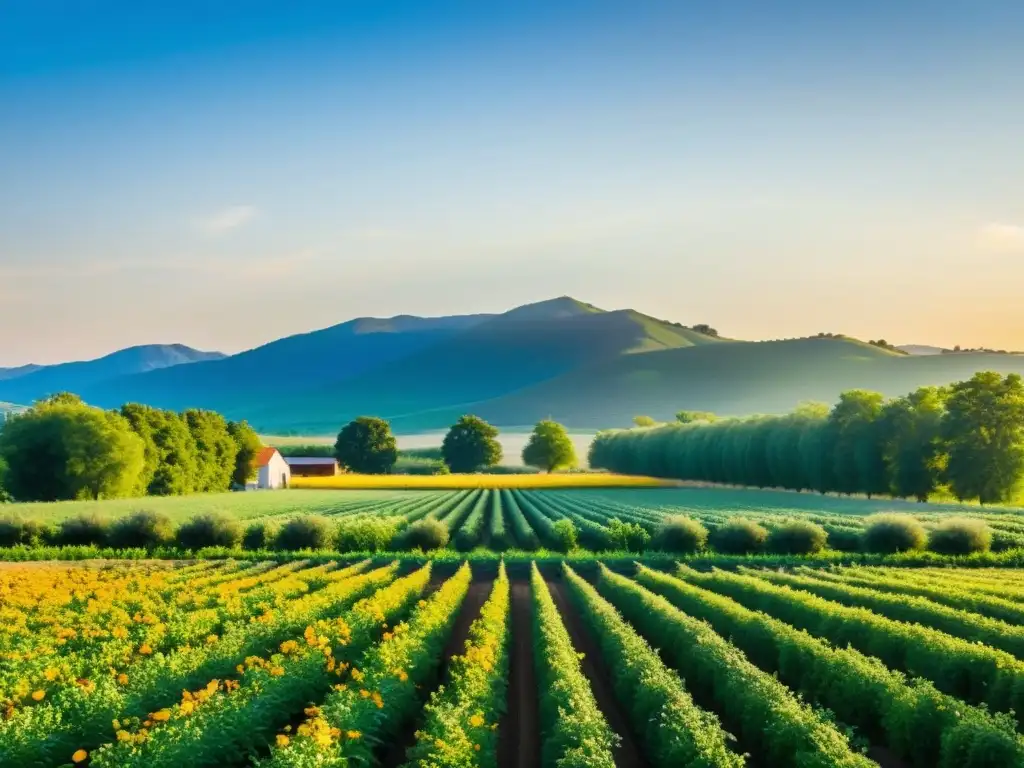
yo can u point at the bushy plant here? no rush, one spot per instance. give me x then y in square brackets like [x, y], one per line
[258, 535]
[426, 534]
[144, 529]
[797, 537]
[888, 533]
[566, 536]
[210, 530]
[682, 535]
[87, 529]
[305, 532]
[845, 539]
[960, 536]
[365, 534]
[631, 537]
[15, 530]
[739, 536]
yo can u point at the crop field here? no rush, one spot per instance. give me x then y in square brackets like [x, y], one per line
[231, 663]
[458, 482]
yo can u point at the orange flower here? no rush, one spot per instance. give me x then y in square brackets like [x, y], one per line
[79, 756]
[38, 695]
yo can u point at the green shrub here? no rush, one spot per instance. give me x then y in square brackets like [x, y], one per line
[425, 534]
[88, 529]
[682, 535]
[565, 534]
[631, 537]
[305, 532]
[797, 537]
[365, 534]
[259, 535]
[210, 530]
[845, 539]
[144, 529]
[15, 530]
[960, 536]
[888, 533]
[739, 536]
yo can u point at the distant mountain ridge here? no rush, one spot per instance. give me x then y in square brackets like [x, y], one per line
[562, 358]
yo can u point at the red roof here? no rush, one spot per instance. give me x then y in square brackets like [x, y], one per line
[265, 455]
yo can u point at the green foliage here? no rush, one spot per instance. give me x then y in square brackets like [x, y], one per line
[739, 536]
[887, 533]
[854, 426]
[627, 536]
[549, 447]
[565, 535]
[471, 445]
[643, 421]
[960, 536]
[86, 529]
[144, 529]
[308, 451]
[365, 534]
[367, 446]
[15, 531]
[305, 532]
[797, 537]
[984, 428]
[247, 447]
[674, 730]
[427, 534]
[61, 449]
[210, 530]
[216, 450]
[259, 535]
[688, 417]
[574, 733]
[682, 535]
[914, 450]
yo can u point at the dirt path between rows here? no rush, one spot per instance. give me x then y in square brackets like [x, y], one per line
[519, 730]
[628, 754]
[393, 755]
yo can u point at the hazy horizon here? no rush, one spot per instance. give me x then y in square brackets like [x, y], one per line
[218, 177]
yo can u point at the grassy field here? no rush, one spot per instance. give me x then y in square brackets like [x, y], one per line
[287, 665]
[460, 482]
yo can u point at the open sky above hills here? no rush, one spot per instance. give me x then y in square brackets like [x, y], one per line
[222, 174]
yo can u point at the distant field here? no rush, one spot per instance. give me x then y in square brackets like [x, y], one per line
[462, 482]
[512, 443]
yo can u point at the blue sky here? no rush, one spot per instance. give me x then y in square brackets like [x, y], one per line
[221, 174]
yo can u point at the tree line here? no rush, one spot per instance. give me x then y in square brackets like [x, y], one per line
[966, 438]
[62, 449]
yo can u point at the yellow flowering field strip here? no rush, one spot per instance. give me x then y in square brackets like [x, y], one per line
[77, 716]
[573, 730]
[969, 671]
[725, 681]
[231, 720]
[461, 719]
[917, 723]
[674, 730]
[382, 693]
[462, 482]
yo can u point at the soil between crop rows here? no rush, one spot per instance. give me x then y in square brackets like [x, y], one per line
[519, 731]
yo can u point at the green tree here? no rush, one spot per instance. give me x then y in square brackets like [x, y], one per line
[61, 449]
[215, 450]
[914, 450]
[177, 472]
[549, 447]
[644, 421]
[367, 446]
[247, 445]
[984, 429]
[856, 426]
[689, 417]
[471, 445]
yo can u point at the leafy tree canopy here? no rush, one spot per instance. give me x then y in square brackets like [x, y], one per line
[549, 447]
[471, 445]
[248, 445]
[688, 417]
[367, 446]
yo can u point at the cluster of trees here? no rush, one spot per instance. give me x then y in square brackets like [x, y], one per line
[967, 437]
[62, 449]
[367, 446]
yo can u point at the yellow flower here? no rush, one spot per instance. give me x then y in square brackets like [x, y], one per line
[162, 716]
[79, 756]
[353, 734]
[38, 695]
[51, 674]
[378, 700]
[282, 740]
[122, 679]
[476, 747]
[145, 650]
[476, 720]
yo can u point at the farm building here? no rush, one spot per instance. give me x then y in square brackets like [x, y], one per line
[272, 470]
[313, 466]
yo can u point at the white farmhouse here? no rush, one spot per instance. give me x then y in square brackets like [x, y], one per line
[272, 470]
